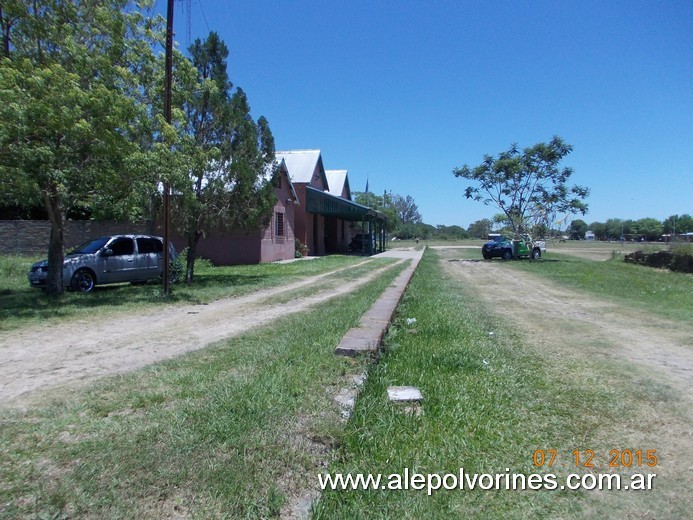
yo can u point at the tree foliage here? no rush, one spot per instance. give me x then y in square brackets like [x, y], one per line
[67, 112]
[577, 229]
[480, 228]
[526, 184]
[228, 183]
[407, 210]
[453, 232]
[678, 224]
[82, 128]
[383, 203]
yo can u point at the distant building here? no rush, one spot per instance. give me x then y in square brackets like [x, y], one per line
[276, 242]
[328, 217]
[313, 206]
[589, 235]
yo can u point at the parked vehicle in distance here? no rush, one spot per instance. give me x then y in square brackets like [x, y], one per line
[361, 241]
[502, 246]
[110, 259]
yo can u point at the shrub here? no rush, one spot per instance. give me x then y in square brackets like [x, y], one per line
[676, 258]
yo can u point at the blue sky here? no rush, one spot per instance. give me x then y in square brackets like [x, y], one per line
[402, 92]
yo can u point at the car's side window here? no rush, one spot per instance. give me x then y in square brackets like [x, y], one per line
[122, 247]
[149, 245]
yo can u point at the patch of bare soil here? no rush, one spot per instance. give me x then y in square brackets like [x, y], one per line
[43, 358]
[647, 355]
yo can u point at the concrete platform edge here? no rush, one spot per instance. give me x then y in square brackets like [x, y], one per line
[367, 337]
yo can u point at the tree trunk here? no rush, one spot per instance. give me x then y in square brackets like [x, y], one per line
[6, 26]
[54, 283]
[193, 239]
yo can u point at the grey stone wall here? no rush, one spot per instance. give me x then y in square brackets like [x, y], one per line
[31, 236]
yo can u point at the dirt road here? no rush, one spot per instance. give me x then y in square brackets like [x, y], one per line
[554, 315]
[42, 357]
[646, 361]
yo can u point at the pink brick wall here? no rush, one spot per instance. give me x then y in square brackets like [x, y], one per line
[31, 236]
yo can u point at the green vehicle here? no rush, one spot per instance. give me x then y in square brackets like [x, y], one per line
[507, 248]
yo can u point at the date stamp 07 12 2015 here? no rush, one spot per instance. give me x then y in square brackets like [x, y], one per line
[588, 459]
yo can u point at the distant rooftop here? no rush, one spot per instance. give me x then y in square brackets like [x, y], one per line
[300, 163]
[338, 180]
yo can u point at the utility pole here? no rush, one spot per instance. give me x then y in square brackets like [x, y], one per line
[167, 117]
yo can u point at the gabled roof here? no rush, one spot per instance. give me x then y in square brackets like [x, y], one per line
[302, 164]
[281, 166]
[339, 183]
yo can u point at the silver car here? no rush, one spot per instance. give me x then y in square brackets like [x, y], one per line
[111, 259]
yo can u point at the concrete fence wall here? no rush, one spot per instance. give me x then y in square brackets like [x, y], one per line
[31, 236]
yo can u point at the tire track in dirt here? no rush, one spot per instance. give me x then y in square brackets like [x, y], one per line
[546, 310]
[45, 357]
[648, 357]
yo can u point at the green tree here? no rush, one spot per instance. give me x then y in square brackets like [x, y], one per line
[650, 228]
[228, 181]
[599, 230]
[480, 228]
[384, 204]
[526, 184]
[67, 114]
[451, 232]
[577, 229]
[678, 224]
[615, 228]
[407, 210]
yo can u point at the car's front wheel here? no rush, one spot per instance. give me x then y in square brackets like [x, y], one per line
[536, 254]
[83, 281]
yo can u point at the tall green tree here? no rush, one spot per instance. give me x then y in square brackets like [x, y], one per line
[599, 230]
[526, 184]
[480, 228]
[616, 228]
[577, 229]
[650, 228]
[67, 114]
[407, 210]
[384, 204]
[678, 224]
[228, 185]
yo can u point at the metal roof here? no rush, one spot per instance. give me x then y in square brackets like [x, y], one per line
[339, 181]
[302, 164]
[323, 203]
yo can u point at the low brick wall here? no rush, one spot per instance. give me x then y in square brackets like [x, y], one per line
[31, 236]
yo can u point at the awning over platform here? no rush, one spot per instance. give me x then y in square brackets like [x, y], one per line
[323, 203]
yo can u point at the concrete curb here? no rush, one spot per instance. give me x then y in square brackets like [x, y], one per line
[367, 337]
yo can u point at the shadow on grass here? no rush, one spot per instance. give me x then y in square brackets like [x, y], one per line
[21, 303]
[33, 303]
[30, 302]
[236, 280]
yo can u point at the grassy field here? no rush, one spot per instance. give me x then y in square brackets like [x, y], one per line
[659, 291]
[490, 401]
[21, 305]
[231, 431]
[239, 429]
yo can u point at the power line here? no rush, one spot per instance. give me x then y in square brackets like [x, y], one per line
[204, 16]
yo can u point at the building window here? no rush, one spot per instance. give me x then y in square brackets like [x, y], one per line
[279, 224]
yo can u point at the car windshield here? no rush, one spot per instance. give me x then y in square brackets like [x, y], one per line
[89, 247]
